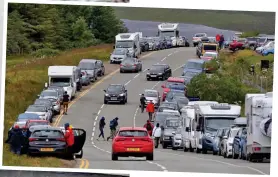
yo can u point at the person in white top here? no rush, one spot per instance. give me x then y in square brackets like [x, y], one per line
[156, 134]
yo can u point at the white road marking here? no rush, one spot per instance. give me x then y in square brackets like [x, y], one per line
[169, 54]
[160, 166]
[95, 123]
[136, 76]
[155, 84]
[164, 59]
[145, 70]
[134, 117]
[102, 106]
[94, 129]
[98, 112]
[128, 82]
[96, 118]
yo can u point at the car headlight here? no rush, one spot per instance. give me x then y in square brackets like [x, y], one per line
[166, 137]
[159, 73]
[177, 138]
[148, 73]
[121, 94]
[106, 94]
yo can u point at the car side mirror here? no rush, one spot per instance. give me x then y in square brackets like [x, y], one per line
[113, 46]
[45, 85]
[225, 137]
[104, 90]
[173, 133]
[187, 129]
[125, 90]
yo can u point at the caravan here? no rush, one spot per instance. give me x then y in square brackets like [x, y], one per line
[64, 76]
[130, 41]
[209, 118]
[170, 30]
[258, 111]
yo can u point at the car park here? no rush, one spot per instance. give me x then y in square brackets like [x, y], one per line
[152, 95]
[100, 68]
[118, 55]
[54, 97]
[159, 71]
[131, 65]
[132, 141]
[239, 144]
[41, 110]
[115, 93]
[85, 79]
[194, 65]
[197, 38]
[170, 126]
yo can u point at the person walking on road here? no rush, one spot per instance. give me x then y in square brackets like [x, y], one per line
[113, 127]
[69, 136]
[149, 127]
[150, 110]
[65, 102]
[156, 134]
[17, 140]
[101, 128]
[142, 102]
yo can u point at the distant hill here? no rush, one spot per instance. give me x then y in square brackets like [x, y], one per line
[263, 22]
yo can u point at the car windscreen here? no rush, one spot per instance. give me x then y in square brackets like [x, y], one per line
[48, 134]
[133, 133]
[210, 47]
[114, 88]
[262, 40]
[60, 82]
[213, 124]
[37, 123]
[161, 117]
[176, 86]
[124, 44]
[190, 74]
[157, 68]
[172, 123]
[181, 100]
[194, 65]
[36, 109]
[86, 65]
[172, 105]
[128, 61]
[151, 94]
[253, 39]
[199, 35]
[43, 101]
[168, 83]
[162, 108]
[173, 94]
[119, 52]
[49, 93]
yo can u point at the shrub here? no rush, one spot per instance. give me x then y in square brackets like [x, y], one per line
[249, 34]
[45, 52]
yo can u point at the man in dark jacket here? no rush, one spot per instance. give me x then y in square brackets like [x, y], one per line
[17, 140]
[66, 102]
[149, 126]
[101, 127]
[221, 42]
[142, 102]
[113, 127]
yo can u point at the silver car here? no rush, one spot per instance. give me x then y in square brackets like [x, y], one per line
[151, 43]
[60, 91]
[85, 79]
[130, 65]
[152, 95]
[53, 96]
[118, 55]
[177, 139]
[41, 110]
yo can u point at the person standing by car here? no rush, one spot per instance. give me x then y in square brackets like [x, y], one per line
[150, 110]
[69, 136]
[149, 127]
[217, 38]
[156, 134]
[221, 41]
[142, 102]
[16, 140]
[101, 127]
[65, 102]
[113, 127]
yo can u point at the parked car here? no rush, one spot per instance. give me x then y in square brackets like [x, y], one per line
[197, 38]
[159, 71]
[132, 141]
[182, 101]
[263, 41]
[218, 139]
[228, 142]
[152, 95]
[252, 42]
[209, 55]
[159, 45]
[188, 75]
[160, 117]
[41, 110]
[118, 55]
[131, 65]
[212, 39]
[54, 97]
[187, 43]
[169, 43]
[60, 91]
[268, 51]
[172, 94]
[85, 79]
[144, 45]
[194, 65]
[202, 48]
[31, 123]
[172, 104]
[115, 93]
[151, 43]
[239, 145]
[266, 46]
[47, 103]
[24, 117]
[100, 68]
[170, 81]
[177, 139]
[170, 126]
[223, 141]
[237, 44]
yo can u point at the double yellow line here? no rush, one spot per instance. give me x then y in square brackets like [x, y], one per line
[84, 164]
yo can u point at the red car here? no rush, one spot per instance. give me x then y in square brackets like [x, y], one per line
[170, 80]
[132, 141]
[30, 123]
[238, 44]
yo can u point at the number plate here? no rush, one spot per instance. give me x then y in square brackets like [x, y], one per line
[153, 75]
[114, 98]
[133, 149]
[47, 149]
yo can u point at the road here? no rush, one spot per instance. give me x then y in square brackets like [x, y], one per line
[86, 111]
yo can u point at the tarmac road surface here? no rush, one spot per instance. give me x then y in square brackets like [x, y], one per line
[86, 112]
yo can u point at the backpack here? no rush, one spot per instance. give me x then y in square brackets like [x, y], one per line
[112, 123]
[149, 127]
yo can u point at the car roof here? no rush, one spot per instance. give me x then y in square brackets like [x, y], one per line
[49, 90]
[150, 90]
[45, 127]
[37, 105]
[170, 102]
[115, 85]
[132, 128]
[175, 79]
[195, 61]
[37, 120]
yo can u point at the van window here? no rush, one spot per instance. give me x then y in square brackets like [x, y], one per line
[210, 47]
[86, 65]
[60, 82]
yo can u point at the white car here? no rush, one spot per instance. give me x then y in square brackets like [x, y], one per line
[177, 139]
[152, 95]
[176, 112]
[228, 142]
[197, 38]
[42, 111]
[209, 55]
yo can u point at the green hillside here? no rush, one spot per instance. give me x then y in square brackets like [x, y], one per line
[264, 22]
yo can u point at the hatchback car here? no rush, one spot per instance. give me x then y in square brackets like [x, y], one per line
[152, 95]
[170, 126]
[197, 38]
[31, 123]
[194, 65]
[159, 72]
[60, 91]
[85, 79]
[182, 101]
[118, 55]
[54, 97]
[132, 141]
[218, 139]
[131, 65]
[209, 55]
[45, 102]
[160, 117]
[41, 110]
[170, 95]
[170, 104]
[165, 107]
[115, 93]
[178, 84]
[177, 139]
[100, 68]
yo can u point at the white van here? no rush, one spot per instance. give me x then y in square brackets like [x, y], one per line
[90, 66]
[64, 76]
[258, 111]
[130, 41]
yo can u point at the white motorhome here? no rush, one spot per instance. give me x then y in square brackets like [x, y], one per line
[188, 124]
[259, 120]
[209, 118]
[170, 30]
[130, 41]
[64, 76]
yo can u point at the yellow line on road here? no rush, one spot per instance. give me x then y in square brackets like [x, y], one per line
[82, 163]
[87, 164]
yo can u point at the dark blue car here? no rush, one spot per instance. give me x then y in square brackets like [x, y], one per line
[239, 144]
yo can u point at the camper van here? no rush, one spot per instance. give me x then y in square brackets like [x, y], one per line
[64, 76]
[130, 41]
[258, 111]
[90, 66]
[209, 118]
[188, 124]
[170, 30]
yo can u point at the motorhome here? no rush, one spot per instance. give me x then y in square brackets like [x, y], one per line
[209, 118]
[90, 66]
[130, 41]
[170, 30]
[64, 76]
[258, 111]
[188, 124]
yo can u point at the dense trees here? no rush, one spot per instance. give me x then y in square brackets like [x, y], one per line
[44, 29]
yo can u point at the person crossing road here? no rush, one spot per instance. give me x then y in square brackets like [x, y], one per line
[150, 110]
[142, 102]
[149, 126]
[113, 126]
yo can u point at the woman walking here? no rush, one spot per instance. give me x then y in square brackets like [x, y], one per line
[101, 128]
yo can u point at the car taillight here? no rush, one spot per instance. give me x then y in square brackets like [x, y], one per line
[61, 139]
[256, 148]
[32, 139]
[58, 102]
[119, 139]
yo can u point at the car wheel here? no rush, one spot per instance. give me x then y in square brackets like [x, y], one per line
[198, 150]
[214, 152]
[190, 148]
[105, 102]
[174, 148]
[234, 155]
[204, 151]
[148, 79]
[219, 152]
[185, 149]
[121, 71]
[111, 62]
[150, 157]
[79, 156]
[114, 157]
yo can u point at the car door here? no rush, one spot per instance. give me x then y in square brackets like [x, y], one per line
[79, 139]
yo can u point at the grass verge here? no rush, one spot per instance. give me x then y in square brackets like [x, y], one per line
[25, 79]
